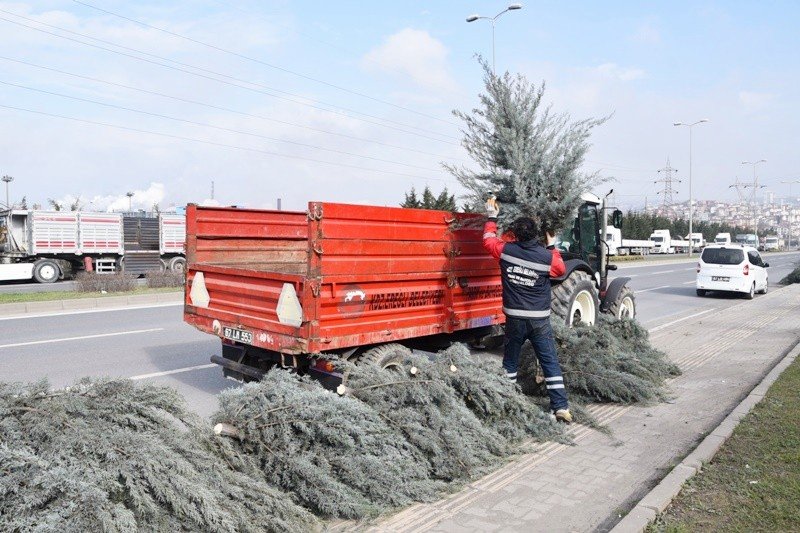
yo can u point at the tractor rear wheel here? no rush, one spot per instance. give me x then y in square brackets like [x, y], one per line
[390, 355]
[575, 300]
[624, 306]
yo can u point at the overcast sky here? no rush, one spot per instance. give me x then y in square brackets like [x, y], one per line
[350, 101]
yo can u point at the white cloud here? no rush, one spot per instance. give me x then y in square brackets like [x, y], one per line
[754, 101]
[141, 199]
[414, 54]
[616, 72]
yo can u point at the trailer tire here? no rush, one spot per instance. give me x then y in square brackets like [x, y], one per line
[576, 297]
[177, 264]
[46, 271]
[624, 306]
[386, 355]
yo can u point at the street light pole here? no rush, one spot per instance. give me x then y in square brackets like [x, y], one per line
[130, 201]
[790, 183]
[755, 188]
[691, 196]
[473, 18]
[7, 180]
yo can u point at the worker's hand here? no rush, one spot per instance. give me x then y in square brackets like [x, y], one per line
[551, 238]
[492, 207]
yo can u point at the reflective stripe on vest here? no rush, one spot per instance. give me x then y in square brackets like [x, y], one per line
[528, 264]
[521, 313]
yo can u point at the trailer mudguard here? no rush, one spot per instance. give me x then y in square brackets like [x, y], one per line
[612, 292]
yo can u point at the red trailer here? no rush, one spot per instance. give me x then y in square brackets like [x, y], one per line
[284, 287]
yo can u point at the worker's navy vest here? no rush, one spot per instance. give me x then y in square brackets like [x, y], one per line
[525, 270]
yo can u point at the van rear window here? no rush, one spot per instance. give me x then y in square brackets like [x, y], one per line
[722, 256]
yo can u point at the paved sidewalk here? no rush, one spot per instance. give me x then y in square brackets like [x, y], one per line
[588, 487]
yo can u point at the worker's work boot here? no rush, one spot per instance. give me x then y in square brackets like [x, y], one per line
[563, 415]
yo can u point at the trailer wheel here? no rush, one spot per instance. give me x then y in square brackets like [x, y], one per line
[386, 355]
[625, 304]
[177, 264]
[46, 271]
[575, 300]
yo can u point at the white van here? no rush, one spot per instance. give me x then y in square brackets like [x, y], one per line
[732, 268]
[722, 238]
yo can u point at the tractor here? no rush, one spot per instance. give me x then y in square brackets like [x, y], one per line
[584, 290]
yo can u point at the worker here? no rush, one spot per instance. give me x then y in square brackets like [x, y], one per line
[526, 268]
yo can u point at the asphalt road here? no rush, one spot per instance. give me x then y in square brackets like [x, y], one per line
[154, 344]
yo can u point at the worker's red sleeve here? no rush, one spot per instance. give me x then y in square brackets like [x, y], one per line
[491, 242]
[557, 268]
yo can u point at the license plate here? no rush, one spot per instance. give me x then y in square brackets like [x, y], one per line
[720, 278]
[238, 335]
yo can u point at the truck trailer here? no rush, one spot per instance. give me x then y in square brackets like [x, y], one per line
[50, 245]
[664, 243]
[619, 246]
[365, 283]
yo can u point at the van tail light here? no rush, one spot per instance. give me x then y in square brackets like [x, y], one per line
[698, 268]
[746, 270]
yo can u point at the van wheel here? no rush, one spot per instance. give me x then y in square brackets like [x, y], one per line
[765, 289]
[750, 295]
[701, 292]
[46, 271]
[391, 355]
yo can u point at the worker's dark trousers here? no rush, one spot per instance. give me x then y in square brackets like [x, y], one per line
[540, 333]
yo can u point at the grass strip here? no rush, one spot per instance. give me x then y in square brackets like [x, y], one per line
[20, 297]
[753, 483]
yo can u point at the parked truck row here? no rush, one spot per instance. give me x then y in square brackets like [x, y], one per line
[50, 245]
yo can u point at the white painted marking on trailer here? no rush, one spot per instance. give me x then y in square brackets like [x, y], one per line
[170, 372]
[668, 324]
[89, 311]
[655, 288]
[84, 337]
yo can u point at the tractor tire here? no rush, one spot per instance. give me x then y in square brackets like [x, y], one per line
[575, 299]
[624, 306]
[46, 271]
[391, 355]
[177, 264]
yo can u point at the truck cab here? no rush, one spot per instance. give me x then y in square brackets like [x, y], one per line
[662, 242]
[722, 238]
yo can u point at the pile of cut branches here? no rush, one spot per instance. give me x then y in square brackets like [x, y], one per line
[792, 277]
[612, 361]
[113, 456]
[338, 456]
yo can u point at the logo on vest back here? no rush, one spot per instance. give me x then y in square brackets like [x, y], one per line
[520, 275]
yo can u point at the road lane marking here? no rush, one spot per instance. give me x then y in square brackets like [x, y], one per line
[170, 372]
[662, 272]
[688, 282]
[84, 337]
[88, 311]
[668, 324]
[655, 288]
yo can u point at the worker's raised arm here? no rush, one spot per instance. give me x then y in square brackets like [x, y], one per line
[557, 267]
[491, 242]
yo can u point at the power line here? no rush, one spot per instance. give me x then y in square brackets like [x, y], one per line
[205, 125]
[220, 75]
[260, 62]
[218, 144]
[222, 108]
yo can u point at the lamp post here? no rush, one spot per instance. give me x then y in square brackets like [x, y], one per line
[473, 18]
[755, 188]
[130, 201]
[790, 183]
[7, 180]
[691, 197]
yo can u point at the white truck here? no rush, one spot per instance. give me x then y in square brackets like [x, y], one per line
[698, 241]
[722, 238]
[50, 245]
[773, 243]
[663, 243]
[619, 246]
[747, 239]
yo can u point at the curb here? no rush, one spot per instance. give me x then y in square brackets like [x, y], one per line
[53, 306]
[655, 501]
